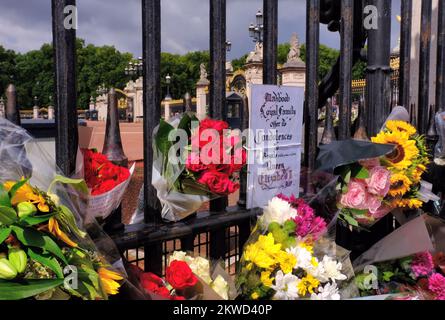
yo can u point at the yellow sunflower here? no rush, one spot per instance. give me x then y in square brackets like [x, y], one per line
[417, 173]
[405, 151]
[401, 126]
[400, 185]
[408, 203]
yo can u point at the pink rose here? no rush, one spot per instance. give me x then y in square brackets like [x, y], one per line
[379, 181]
[374, 204]
[356, 197]
[382, 211]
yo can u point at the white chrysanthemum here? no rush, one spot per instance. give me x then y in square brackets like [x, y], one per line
[278, 211]
[328, 292]
[329, 269]
[286, 286]
[303, 257]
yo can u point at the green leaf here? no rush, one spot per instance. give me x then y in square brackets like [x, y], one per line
[47, 260]
[66, 218]
[387, 276]
[360, 173]
[161, 138]
[27, 288]
[4, 234]
[16, 187]
[350, 220]
[78, 184]
[7, 215]
[4, 197]
[358, 212]
[347, 176]
[34, 220]
[33, 238]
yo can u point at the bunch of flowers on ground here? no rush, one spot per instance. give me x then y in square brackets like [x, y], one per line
[372, 188]
[285, 260]
[40, 244]
[420, 276]
[187, 277]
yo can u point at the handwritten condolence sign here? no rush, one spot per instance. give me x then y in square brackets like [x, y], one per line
[276, 118]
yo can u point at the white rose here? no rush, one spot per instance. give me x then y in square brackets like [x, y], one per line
[201, 268]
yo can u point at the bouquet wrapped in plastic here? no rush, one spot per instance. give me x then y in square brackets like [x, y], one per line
[194, 161]
[373, 186]
[405, 265]
[289, 256]
[106, 184]
[189, 277]
[44, 251]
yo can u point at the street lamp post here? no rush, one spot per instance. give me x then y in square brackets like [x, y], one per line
[168, 81]
[256, 30]
[134, 69]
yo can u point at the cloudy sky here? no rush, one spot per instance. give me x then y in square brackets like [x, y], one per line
[26, 24]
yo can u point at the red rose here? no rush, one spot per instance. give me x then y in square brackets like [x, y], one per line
[194, 164]
[180, 276]
[153, 284]
[177, 298]
[217, 182]
[217, 125]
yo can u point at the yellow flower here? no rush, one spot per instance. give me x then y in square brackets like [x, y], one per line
[405, 151]
[109, 280]
[287, 261]
[306, 246]
[314, 262]
[408, 203]
[400, 184]
[307, 284]
[417, 173]
[267, 243]
[401, 126]
[266, 279]
[26, 194]
[256, 255]
[255, 296]
[53, 227]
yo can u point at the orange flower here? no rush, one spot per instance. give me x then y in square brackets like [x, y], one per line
[26, 194]
[53, 227]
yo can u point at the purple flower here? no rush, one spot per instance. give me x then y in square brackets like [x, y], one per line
[436, 283]
[422, 264]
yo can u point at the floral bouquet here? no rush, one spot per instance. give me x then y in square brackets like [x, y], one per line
[194, 161]
[42, 248]
[288, 256]
[372, 188]
[188, 277]
[106, 183]
[420, 276]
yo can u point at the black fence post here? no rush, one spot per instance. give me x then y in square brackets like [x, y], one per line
[424, 66]
[378, 89]
[65, 96]
[270, 43]
[405, 53]
[217, 103]
[328, 132]
[151, 37]
[311, 98]
[12, 111]
[440, 82]
[346, 56]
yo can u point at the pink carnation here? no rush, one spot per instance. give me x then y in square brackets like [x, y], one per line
[422, 264]
[308, 224]
[436, 283]
[379, 181]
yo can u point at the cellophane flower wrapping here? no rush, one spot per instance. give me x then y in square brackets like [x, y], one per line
[291, 255]
[45, 251]
[105, 191]
[193, 162]
[189, 277]
[408, 264]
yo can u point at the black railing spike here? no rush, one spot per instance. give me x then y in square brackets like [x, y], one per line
[328, 132]
[113, 142]
[12, 110]
[360, 133]
[405, 52]
[432, 132]
[440, 71]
